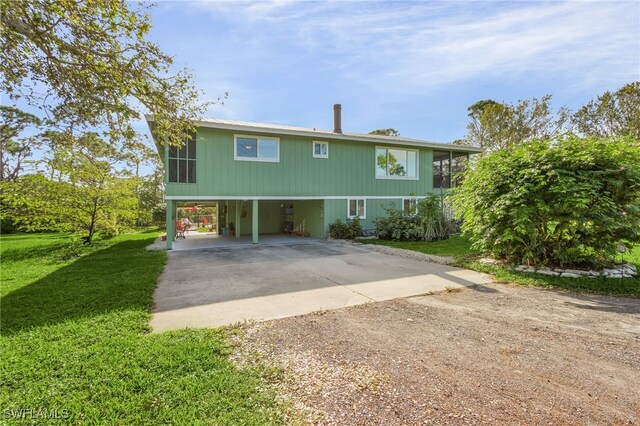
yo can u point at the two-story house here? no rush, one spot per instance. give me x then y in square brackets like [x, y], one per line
[267, 178]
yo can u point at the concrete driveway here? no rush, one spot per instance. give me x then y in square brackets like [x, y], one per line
[215, 287]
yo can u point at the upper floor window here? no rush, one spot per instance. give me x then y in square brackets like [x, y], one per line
[320, 149]
[257, 148]
[396, 163]
[182, 162]
[448, 167]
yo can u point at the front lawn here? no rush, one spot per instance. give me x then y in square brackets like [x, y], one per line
[75, 342]
[459, 247]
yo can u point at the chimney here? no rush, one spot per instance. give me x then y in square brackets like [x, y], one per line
[337, 118]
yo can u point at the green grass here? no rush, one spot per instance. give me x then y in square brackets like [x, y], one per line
[75, 338]
[459, 247]
[456, 246]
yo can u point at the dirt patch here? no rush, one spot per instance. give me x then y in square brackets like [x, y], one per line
[492, 354]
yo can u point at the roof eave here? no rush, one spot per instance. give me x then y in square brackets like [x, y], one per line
[339, 136]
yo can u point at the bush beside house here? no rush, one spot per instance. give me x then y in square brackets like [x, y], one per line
[554, 202]
[345, 231]
[426, 222]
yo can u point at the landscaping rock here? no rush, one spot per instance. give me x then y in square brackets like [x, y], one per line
[576, 271]
[624, 271]
[570, 275]
[490, 261]
[548, 272]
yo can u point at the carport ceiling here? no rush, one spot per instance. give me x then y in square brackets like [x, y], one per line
[196, 203]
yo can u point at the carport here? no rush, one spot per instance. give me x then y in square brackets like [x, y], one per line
[248, 221]
[196, 241]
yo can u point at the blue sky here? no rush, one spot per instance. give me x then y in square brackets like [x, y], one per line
[414, 66]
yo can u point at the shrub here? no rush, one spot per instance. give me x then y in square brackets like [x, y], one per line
[398, 226]
[432, 218]
[566, 201]
[429, 222]
[345, 231]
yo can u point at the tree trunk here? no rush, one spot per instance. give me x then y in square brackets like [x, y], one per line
[92, 223]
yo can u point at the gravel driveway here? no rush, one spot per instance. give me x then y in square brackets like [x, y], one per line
[495, 354]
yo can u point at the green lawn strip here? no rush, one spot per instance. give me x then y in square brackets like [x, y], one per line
[459, 247]
[74, 337]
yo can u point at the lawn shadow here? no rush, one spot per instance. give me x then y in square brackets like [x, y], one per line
[119, 277]
[40, 251]
[483, 288]
[616, 304]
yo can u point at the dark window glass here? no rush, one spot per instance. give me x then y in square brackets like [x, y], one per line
[173, 152]
[173, 170]
[441, 169]
[182, 153]
[182, 162]
[182, 171]
[192, 149]
[191, 175]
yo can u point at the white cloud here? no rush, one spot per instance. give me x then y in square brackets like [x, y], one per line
[422, 46]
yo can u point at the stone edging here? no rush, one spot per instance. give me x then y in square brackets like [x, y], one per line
[625, 271]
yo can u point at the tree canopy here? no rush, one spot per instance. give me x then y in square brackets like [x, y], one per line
[611, 114]
[14, 150]
[89, 193]
[89, 63]
[494, 125]
[385, 132]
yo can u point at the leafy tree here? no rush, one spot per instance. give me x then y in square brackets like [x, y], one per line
[90, 63]
[611, 114]
[13, 149]
[150, 198]
[385, 132]
[30, 203]
[97, 195]
[497, 125]
[90, 193]
[563, 201]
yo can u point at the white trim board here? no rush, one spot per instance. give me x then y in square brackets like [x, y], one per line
[319, 134]
[286, 197]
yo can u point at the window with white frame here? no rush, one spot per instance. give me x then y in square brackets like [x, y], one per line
[357, 207]
[396, 163]
[257, 148]
[410, 206]
[182, 162]
[320, 149]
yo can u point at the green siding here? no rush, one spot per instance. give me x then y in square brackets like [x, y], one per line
[349, 171]
[271, 217]
[337, 209]
[311, 212]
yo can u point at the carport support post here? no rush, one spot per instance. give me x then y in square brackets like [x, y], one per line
[171, 223]
[238, 203]
[254, 217]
